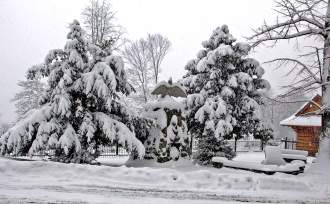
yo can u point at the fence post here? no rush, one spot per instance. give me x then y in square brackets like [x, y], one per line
[286, 143]
[191, 144]
[235, 144]
[117, 148]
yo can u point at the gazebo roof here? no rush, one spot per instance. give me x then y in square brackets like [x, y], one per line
[306, 115]
[168, 88]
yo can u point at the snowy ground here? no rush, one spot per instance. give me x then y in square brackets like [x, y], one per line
[182, 182]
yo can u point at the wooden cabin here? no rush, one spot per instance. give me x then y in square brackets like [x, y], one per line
[307, 125]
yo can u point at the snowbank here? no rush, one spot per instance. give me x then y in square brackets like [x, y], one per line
[23, 179]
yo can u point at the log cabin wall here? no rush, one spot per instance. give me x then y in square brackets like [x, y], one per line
[307, 139]
[305, 124]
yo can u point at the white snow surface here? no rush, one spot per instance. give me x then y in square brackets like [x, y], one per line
[166, 102]
[273, 156]
[295, 152]
[256, 166]
[308, 120]
[177, 182]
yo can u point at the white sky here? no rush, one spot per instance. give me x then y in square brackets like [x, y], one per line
[30, 28]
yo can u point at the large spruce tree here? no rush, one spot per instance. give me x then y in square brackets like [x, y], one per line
[80, 109]
[224, 94]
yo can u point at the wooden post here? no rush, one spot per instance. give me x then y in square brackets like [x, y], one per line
[235, 144]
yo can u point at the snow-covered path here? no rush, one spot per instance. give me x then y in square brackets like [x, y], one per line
[43, 182]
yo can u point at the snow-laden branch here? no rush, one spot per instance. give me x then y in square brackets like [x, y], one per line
[298, 18]
[117, 131]
[284, 36]
[298, 62]
[295, 101]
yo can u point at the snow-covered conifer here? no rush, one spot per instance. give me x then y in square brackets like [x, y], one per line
[224, 98]
[80, 109]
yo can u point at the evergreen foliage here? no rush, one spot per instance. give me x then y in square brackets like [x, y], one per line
[81, 107]
[224, 88]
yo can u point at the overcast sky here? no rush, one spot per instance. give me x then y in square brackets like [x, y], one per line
[30, 28]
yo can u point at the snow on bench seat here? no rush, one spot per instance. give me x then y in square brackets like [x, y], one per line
[274, 162]
[275, 155]
[292, 168]
[291, 157]
[295, 152]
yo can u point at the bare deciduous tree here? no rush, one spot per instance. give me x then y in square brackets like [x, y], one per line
[308, 71]
[4, 127]
[304, 18]
[28, 98]
[136, 55]
[158, 47]
[144, 58]
[99, 22]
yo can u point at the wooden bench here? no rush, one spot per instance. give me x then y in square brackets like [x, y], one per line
[273, 163]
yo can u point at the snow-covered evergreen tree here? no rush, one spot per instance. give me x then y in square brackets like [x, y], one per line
[80, 109]
[224, 94]
[28, 97]
[179, 140]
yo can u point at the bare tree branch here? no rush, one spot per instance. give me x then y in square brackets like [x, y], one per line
[300, 18]
[295, 101]
[137, 56]
[99, 21]
[304, 67]
[158, 47]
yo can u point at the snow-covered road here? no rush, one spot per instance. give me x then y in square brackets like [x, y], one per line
[109, 194]
[44, 182]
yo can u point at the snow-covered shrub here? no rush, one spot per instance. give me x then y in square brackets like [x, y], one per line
[223, 87]
[81, 107]
[170, 138]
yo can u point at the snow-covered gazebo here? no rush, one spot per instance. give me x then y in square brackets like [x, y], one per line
[307, 125]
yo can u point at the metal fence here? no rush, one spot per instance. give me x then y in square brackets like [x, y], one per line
[239, 145]
[105, 151]
[112, 151]
[310, 146]
[40, 155]
[246, 145]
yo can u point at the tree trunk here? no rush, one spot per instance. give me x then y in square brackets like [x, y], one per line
[326, 78]
[324, 147]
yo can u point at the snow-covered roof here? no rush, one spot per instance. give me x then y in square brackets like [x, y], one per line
[166, 88]
[303, 117]
[307, 120]
[165, 102]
